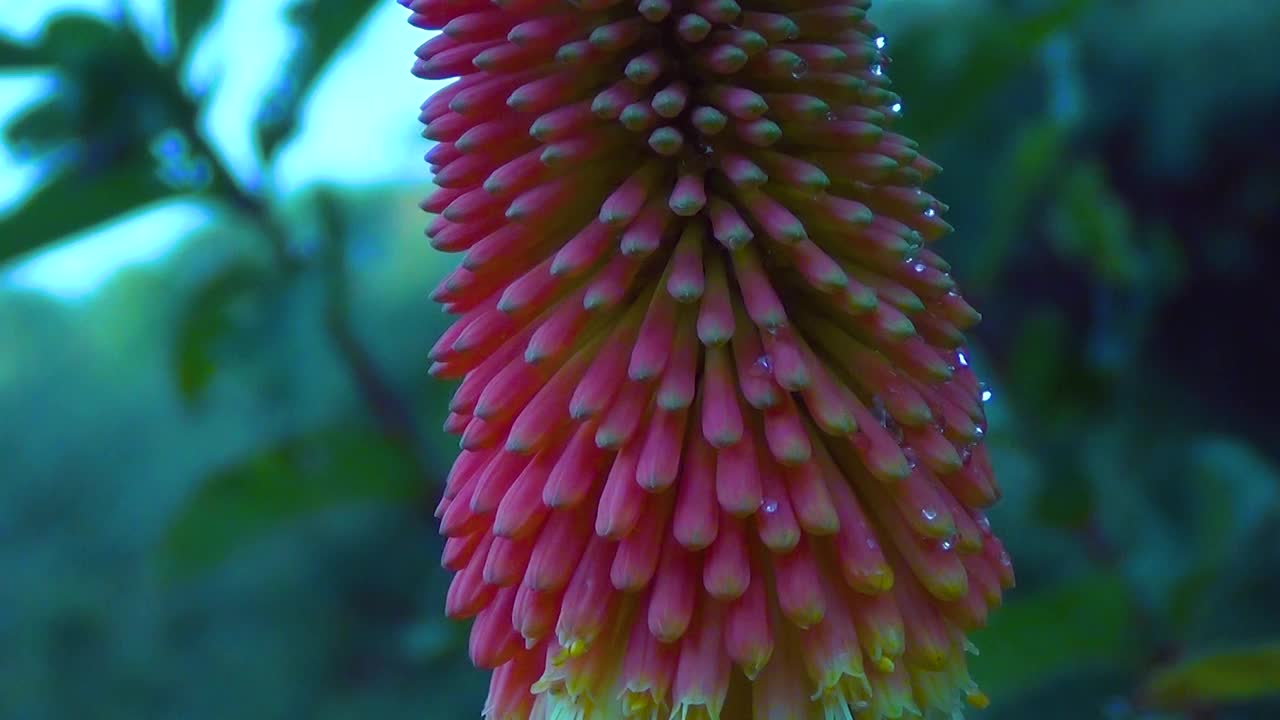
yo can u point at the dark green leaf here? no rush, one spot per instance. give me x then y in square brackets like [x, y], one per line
[1036, 638]
[995, 52]
[323, 27]
[41, 127]
[70, 38]
[189, 18]
[1066, 500]
[1229, 676]
[1024, 177]
[328, 468]
[205, 322]
[14, 54]
[1094, 226]
[73, 202]
[1236, 492]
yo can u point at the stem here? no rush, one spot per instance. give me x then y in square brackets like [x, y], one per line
[391, 411]
[393, 414]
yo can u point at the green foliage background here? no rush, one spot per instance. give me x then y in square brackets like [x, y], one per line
[216, 475]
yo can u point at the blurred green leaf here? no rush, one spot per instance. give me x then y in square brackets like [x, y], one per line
[1236, 492]
[1223, 677]
[1067, 499]
[14, 54]
[1037, 638]
[322, 27]
[189, 17]
[204, 323]
[1094, 226]
[41, 126]
[71, 38]
[1238, 489]
[73, 201]
[1042, 360]
[1023, 179]
[996, 49]
[332, 467]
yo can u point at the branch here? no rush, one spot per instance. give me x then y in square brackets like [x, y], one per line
[393, 414]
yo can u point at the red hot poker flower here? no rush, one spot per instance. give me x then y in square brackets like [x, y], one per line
[721, 445]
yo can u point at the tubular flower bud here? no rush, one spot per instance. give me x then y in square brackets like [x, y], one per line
[722, 444]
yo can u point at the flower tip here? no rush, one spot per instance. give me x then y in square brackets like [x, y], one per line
[517, 445]
[977, 699]
[606, 440]
[876, 580]
[685, 293]
[794, 452]
[640, 704]
[685, 206]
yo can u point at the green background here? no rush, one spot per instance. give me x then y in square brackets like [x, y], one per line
[217, 471]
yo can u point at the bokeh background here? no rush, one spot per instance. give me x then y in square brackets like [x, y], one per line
[219, 447]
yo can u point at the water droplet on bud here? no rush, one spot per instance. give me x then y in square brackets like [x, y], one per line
[984, 522]
[763, 365]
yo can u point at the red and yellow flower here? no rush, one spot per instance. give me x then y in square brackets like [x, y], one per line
[721, 444]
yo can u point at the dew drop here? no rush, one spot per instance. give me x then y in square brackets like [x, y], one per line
[832, 116]
[1005, 560]
[769, 506]
[946, 544]
[930, 212]
[919, 267]
[877, 70]
[896, 108]
[872, 544]
[984, 522]
[879, 411]
[910, 454]
[800, 69]
[962, 359]
[984, 392]
[979, 431]
[929, 514]
[880, 42]
[763, 365]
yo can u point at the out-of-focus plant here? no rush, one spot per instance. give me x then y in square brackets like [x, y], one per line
[120, 129]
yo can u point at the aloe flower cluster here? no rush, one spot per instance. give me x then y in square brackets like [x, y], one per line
[721, 443]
